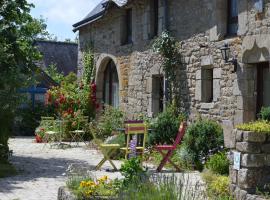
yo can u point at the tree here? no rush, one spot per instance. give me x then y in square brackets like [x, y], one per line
[18, 30]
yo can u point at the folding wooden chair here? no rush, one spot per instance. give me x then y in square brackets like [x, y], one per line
[171, 148]
[107, 150]
[137, 130]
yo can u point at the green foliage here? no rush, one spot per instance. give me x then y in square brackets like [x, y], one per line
[118, 139]
[6, 169]
[166, 126]
[201, 137]
[219, 163]
[52, 71]
[28, 118]
[85, 187]
[217, 186]
[161, 187]
[265, 113]
[131, 169]
[260, 126]
[264, 191]
[167, 46]
[111, 119]
[18, 30]
[89, 66]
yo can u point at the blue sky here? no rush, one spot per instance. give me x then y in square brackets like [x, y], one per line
[60, 15]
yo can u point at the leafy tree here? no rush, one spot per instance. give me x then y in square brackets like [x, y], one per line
[18, 30]
[52, 71]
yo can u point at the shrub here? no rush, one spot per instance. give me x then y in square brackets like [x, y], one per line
[200, 138]
[131, 169]
[265, 113]
[118, 139]
[166, 126]
[111, 119]
[28, 118]
[218, 163]
[217, 186]
[257, 126]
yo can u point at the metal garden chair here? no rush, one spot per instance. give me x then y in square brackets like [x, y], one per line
[77, 135]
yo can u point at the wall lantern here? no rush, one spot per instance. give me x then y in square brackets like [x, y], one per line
[225, 52]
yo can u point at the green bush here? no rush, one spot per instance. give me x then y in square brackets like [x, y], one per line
[217, 186]
[265, 113]
[218, 163]
[201, 137]
[166, 126]
[131, 169]
[111, 119]
[118, 139]
[28, 118]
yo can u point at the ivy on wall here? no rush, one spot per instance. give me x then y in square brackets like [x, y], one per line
[167, 47]
[89, 65]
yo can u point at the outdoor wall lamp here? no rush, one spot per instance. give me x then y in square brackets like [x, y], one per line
[225, 52]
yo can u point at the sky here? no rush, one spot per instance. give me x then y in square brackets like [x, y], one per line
[60, 15]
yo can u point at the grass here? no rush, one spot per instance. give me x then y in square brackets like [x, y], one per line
[7, 169]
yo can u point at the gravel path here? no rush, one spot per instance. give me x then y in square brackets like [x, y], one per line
[42, 170]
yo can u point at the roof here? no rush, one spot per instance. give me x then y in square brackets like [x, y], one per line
[63, 54]
[98, 12]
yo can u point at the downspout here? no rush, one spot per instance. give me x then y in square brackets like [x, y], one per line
[166, 28]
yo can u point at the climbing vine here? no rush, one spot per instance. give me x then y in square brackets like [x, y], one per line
[89, 65]
[167, 47]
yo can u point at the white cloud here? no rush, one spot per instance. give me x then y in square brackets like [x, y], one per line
[63, 11]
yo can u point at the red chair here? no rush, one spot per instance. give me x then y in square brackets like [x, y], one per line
[171, 148]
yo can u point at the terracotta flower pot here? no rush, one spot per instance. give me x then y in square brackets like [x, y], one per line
[38, 139]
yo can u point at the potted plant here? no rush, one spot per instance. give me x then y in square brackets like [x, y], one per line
[39, 134]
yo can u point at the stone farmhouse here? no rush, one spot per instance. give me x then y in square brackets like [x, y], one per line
[129, 74]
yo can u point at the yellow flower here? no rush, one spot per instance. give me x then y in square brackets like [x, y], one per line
[82, 184]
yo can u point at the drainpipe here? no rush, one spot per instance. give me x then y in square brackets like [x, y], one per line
[166, 28]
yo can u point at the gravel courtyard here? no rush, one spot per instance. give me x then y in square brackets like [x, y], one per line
[42, 170]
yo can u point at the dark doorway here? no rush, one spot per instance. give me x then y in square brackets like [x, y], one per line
[111, 85]
[263, 85]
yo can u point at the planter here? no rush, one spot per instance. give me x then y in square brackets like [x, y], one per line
[38, 139]
[65, 194]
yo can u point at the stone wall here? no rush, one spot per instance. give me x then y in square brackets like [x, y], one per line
[255, 164]
[200, 29]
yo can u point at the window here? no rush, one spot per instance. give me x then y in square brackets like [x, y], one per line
[154, 6]
[157, 94]
[263, 83]
[207, 85]
[111, 85]
[232, 26]
[127, 27]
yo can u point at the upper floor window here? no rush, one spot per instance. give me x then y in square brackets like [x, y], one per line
[127, 27]
[232, 17]
[154, 6]
[207, 85]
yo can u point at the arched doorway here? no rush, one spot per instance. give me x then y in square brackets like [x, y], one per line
[111, 85]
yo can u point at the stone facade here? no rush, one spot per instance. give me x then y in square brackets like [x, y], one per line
[201, 28]
[255, 164]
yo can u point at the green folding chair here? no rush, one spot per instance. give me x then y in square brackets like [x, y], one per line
[77, 135]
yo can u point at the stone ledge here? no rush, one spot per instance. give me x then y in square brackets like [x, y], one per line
[65, 194]
[248, 147]
[252, 160]
[253, 137]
